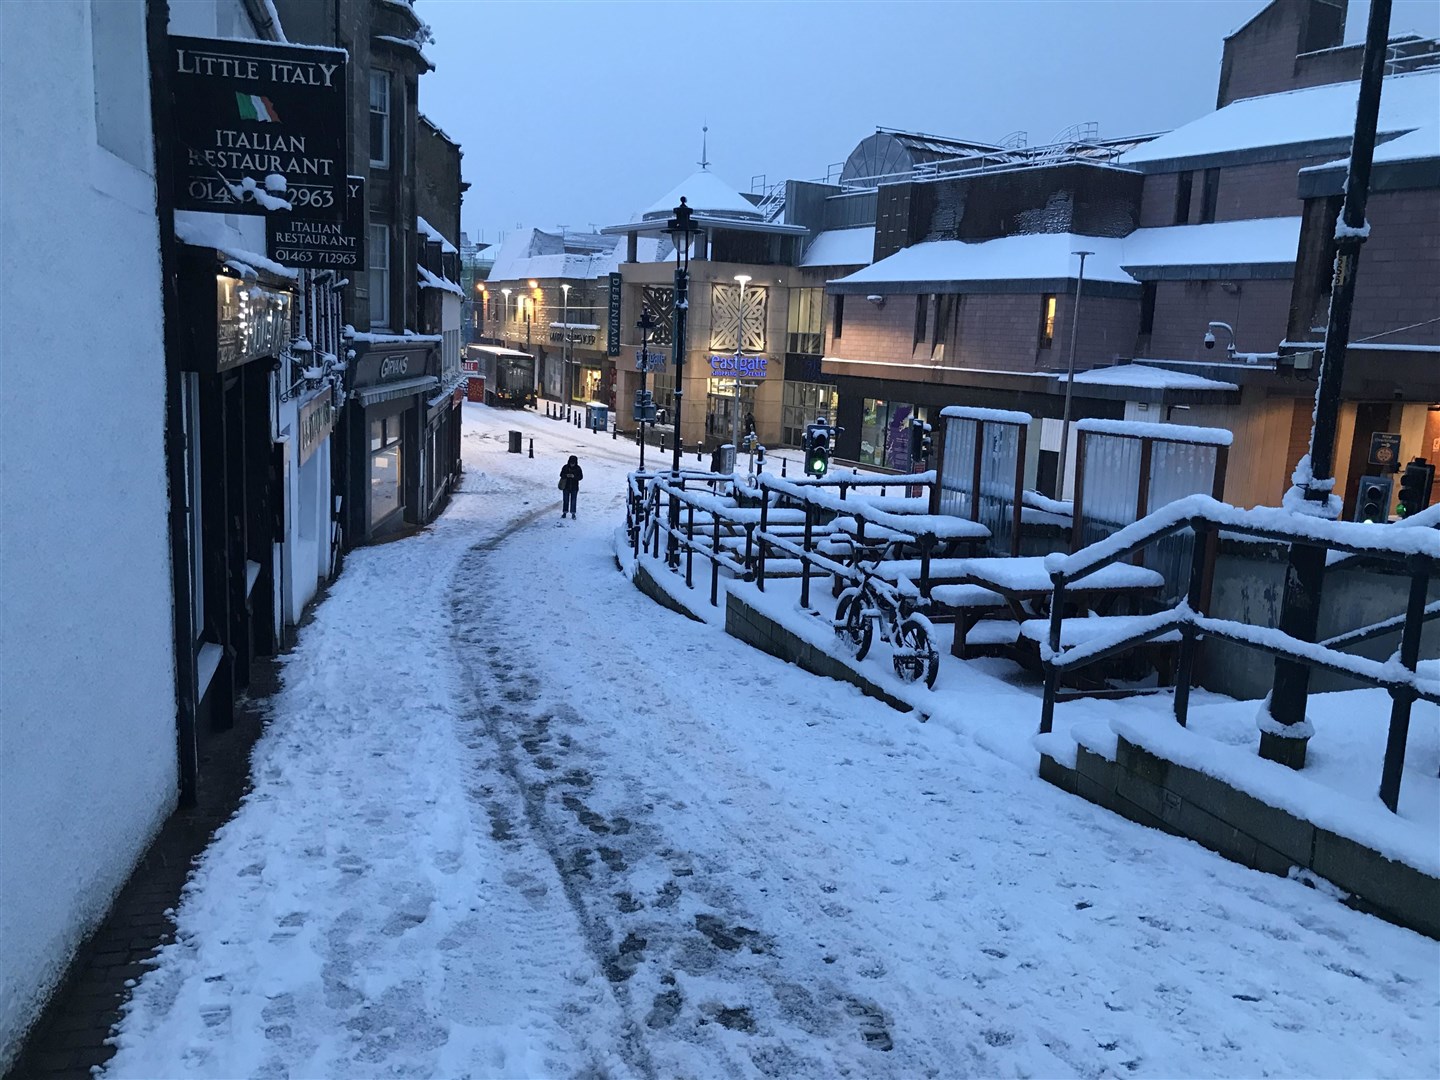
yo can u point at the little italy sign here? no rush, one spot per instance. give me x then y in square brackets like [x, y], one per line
[259, 126]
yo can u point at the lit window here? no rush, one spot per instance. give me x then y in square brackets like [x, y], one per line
[380, 119]
[1047, 321]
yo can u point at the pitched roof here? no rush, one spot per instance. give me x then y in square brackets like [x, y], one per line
[704, 193]
[842, 247]
[1318, 114]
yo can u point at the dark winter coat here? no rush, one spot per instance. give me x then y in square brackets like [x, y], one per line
[570, 477]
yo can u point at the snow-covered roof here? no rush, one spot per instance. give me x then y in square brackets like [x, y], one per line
[1294, 118]
[1142, 375]
[705, 193]
[1173, 432]
[1223, 243]
[842, 247]
[434, 234]
[534, 253]
[1422, 144]
[1038, 256]
[1049, 256]
[435, 281]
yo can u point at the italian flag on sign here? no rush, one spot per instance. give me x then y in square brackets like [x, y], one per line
[256, 108]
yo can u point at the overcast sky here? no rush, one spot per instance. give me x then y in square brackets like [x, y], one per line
[582, 112]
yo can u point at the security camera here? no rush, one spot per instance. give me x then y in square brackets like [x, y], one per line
[1209, 340]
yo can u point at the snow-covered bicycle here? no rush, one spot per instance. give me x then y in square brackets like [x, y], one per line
[896, 611]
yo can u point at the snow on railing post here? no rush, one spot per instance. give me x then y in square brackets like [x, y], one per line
[1052, 673]
[1194, 599]
[1403, 698]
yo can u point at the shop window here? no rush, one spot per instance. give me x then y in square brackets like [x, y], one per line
[885, 432]
[802, 403]
[1210, 197]
[380, 119]
[385, 464]
[839, 321]
[1184, 182]
[379, 252]
[1047, 321]
[922, 308]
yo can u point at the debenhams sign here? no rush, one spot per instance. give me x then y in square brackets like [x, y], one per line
[259, 127]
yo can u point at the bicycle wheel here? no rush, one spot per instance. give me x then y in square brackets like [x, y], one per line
[852, 626]
[915, 656]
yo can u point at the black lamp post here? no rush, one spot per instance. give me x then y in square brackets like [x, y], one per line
[646, 326]
[682, 233]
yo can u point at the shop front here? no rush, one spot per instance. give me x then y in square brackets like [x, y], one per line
[387, 428]
[237, 326]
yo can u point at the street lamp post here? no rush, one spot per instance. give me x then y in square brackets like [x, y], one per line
[1070, 377]
[743, 279]
[682, 232]
[504, 328]
[565, 341]
[1286, 740]
[646, 325]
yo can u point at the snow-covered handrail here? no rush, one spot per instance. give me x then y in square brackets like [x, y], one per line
[938, 526]
[1266, 522]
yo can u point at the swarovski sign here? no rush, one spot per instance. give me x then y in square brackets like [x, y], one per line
[259, 126]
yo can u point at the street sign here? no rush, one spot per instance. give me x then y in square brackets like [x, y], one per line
[1385, 449]
[612, 340]
[746, 367]
[259, 127]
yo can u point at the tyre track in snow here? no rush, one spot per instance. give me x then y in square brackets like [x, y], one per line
[706, 987]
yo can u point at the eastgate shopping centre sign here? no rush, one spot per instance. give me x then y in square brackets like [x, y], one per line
[743, 367]
[259, 127]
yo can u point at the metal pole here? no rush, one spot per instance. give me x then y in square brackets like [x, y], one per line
[1305, 573]
[682, 306]
[565, 341]
[1070, 377]
[739, 346]
[1402, 701]
[644, 375]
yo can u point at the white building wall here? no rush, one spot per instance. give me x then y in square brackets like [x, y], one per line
[87, 701]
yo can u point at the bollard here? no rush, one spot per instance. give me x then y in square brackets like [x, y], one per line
[532, 446]
[514, 446]
[615, 431]
[783, 463]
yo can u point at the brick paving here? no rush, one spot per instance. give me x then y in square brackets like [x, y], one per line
[69, 1039]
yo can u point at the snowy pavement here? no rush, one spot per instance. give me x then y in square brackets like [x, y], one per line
[512, 818]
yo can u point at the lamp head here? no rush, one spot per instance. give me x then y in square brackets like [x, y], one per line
[743, 279]
[682, 231]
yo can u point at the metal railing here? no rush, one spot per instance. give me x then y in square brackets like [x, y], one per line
[1417, 551]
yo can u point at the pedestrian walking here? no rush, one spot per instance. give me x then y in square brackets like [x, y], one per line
[570, 477]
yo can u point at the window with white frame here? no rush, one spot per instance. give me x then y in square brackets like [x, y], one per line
[379, 251]
[380, 119]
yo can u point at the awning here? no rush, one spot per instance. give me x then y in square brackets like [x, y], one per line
[373, 395]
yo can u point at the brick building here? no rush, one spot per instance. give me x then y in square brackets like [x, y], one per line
[1223, 223]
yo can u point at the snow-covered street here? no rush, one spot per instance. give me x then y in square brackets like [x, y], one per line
[513, 818]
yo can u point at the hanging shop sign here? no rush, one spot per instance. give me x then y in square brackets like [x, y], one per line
[577, 337]
[317, 420]
[314, 244]
[743, 367]
[650, 360]
[612, 344]
[250, 321]
[259, 127]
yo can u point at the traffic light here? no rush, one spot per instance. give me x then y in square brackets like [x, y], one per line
[921, 442]
[1372, 504]
[817, 448]
[1415, 484]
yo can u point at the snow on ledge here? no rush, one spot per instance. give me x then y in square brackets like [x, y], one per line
[198, 234]
[434, 234]
[999, 416]
[1285, 789]
[1171, 432]
[433, 281]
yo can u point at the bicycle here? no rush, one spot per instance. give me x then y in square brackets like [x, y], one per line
[897, 612]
